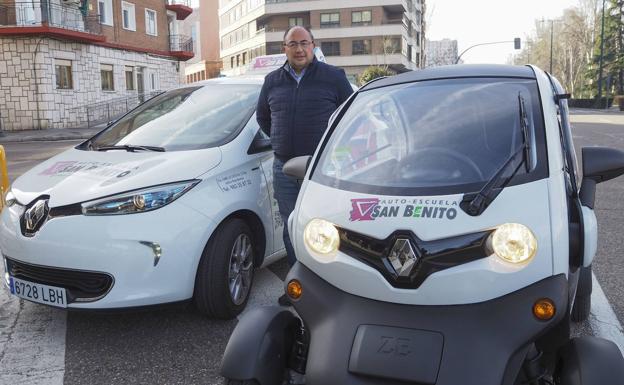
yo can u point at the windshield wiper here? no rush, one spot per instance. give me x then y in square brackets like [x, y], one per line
[131, 148]
[476, 204]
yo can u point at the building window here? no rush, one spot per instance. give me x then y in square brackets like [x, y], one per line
[361, 18]
[63, 69]
[105, 9]
[361, 47]
[106, 72]
[292, 21]
[330, 20]
[330, 48]
[203, 75]
[150, 22]
[392, 45]
[273, 48]
[153, 81]
[129, 78]
[128, 17]
[244, 58]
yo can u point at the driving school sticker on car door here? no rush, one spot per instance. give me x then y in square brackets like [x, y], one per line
[369, 209]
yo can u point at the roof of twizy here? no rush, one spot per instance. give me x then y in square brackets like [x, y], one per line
[456, 71]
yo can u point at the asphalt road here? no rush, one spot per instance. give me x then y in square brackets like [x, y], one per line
[175, 345]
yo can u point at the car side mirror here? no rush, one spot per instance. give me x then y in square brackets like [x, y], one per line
[259, 145]
[297, 167]
[599, 164]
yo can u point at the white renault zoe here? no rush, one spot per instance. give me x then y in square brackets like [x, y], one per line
[171, 202]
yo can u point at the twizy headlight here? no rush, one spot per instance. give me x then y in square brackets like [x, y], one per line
[138, 201]
[321, 236]
[514, 243]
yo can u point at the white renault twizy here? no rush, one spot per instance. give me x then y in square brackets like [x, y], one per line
[440, 234]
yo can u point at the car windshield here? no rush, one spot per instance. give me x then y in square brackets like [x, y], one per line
[185, 119]
[433, 137]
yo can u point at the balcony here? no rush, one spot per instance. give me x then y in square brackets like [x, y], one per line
[182, 8]
[181, 47]
[62, 21]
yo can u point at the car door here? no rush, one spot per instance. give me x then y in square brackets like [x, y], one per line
[261, 145]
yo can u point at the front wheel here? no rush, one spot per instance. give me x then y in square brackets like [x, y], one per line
[225, 271]
[582, 299]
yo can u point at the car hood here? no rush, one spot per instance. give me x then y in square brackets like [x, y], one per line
[77, 176]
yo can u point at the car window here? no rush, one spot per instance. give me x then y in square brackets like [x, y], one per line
[186, 118]
[431, 135]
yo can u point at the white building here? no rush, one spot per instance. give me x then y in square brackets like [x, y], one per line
[353, 34]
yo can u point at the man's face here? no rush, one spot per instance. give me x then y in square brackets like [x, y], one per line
[299, 47]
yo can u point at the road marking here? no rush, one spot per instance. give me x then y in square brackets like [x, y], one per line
[602, 320]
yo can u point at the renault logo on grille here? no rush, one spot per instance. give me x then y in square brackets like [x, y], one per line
[36, 215]
[402, 257]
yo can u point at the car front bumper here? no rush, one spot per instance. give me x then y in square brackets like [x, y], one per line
[482, 343]
[151, 257]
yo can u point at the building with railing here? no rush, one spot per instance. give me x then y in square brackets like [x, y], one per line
[60, 59]
[353, 34]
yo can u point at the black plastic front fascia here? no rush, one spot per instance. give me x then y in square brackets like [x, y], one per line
[433, 256]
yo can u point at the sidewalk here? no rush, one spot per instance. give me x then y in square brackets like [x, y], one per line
[51, 134]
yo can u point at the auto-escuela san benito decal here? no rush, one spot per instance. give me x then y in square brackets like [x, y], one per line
[95, 169]
[369, 209]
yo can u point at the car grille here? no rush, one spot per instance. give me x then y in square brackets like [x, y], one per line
[82, 286]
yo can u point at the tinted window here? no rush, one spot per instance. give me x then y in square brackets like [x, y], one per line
[444, 136]
[185, 119]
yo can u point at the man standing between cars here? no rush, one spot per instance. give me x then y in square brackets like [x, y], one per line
[294, 107]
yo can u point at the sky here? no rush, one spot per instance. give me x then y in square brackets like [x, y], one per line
[481, 21]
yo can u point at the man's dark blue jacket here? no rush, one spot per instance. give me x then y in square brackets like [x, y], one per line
[296, 115]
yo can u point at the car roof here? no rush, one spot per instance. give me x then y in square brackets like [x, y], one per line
[455, 71]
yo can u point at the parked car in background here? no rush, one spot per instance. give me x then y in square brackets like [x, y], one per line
[171, 202]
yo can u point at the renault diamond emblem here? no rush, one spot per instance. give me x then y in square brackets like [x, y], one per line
[402, 257]
[35, 215]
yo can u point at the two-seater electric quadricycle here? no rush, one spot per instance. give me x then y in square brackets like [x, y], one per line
[444, 235]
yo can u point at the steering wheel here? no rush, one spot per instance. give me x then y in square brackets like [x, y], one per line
[438, 164]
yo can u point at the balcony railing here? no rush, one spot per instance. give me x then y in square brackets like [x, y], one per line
[43, 13]
[179, 2]
[179, 43]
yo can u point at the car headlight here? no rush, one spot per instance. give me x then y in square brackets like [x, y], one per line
[321, 236]
[9, 199]
[514, 243]
[138, 201]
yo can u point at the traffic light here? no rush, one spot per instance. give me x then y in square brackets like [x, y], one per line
[517, 43]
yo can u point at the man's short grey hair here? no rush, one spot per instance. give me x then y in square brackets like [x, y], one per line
[298, 26]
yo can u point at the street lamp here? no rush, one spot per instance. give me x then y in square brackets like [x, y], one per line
[516, 42]
[552, 27]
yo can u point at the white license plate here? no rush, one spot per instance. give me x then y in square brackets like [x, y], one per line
[36, 292]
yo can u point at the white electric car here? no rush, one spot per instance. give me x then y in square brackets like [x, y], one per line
[451, 251]
[171, 202]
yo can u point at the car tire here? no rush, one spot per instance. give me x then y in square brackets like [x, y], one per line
[582, 299]
[227, 260]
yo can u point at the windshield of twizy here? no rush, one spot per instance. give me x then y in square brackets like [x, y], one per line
[435, 137]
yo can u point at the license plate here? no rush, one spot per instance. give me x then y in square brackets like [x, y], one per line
[36, 292]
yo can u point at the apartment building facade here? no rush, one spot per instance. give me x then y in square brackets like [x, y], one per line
[353, 34]
[208, 61]
[441, 52]
[67, 63]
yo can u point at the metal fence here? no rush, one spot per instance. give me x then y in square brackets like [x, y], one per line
[105, 111]
[180, 2]
[22, 14]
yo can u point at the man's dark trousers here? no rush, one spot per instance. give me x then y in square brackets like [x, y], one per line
[285, 190]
